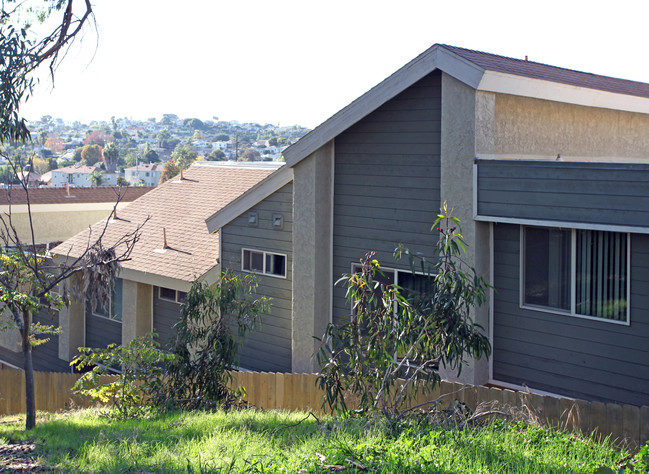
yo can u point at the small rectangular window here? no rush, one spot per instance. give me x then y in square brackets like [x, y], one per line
[169, 294]
[267, 263]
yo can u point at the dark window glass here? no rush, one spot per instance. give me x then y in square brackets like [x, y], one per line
[546, 267]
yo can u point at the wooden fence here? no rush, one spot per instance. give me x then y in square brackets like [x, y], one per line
[299, 392]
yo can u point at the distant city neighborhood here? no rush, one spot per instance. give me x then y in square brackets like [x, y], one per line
[130, 152]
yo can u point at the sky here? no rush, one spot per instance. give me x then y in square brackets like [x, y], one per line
[291, 62]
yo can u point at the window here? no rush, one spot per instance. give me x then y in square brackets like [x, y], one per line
[579, 272]
[168, 294]
[415, 287]
[271, 264]
[113, 308]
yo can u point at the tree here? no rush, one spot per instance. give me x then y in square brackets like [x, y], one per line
[396, 337]
[54, 143]
[121, 181]
[22, 54]
[216, 155]
[184, 155]
[221, 137]
[91, 154]
[98, 137]
[250, 154]
[169, 119]
[149, 155]
[97, 178]
[39, 165]
[111, 156]
[205, 348]
[28, 280]
[193, 124]
[169, 170]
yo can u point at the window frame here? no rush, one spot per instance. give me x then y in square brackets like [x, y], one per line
[110, 317]
[177, 297]
[356, 267]
[573, 278]
[264, 270]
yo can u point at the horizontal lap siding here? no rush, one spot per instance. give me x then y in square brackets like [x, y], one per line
[589, 193]
[100, 331]
[268, 348]
[46, 356]
[582, 358]
[387, 182]
[165, 316]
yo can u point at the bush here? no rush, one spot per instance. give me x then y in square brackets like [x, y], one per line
[141, 364]
[391, 347]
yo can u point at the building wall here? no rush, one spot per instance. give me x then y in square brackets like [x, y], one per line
[542, 129]
[612, 194]
[58, 222]
[582, 358]
[268, 348]
[165, 315]
[45, 356]
[387, 182]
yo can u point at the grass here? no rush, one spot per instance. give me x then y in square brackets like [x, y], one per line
[273, 441]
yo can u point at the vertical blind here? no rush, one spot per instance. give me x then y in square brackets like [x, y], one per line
[601, 286]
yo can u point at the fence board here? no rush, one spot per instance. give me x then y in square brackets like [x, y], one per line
[300, 392]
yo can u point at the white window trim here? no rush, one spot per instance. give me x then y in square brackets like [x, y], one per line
[573, 281]
[110, 302]
[176, 297]
[356, 267]
[263, 272]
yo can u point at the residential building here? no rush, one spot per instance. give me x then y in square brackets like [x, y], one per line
[79, 176]
[547, 168]
[173, 250]
[144, 174]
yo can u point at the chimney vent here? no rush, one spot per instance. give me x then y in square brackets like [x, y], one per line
[164, 236]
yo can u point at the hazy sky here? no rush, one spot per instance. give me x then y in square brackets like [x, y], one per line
[299, 62]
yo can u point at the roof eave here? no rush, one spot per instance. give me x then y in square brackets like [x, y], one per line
[498, 82]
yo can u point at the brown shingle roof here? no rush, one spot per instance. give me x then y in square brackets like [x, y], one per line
[77, 195]
[181, 208]
[520, 67]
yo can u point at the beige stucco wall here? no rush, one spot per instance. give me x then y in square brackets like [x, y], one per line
[137, 310]
[312, 278]
[467, 124]
[72, 320]
[528, 128]
[57, 222]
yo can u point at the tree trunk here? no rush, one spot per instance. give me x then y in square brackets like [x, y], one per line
[28, 366]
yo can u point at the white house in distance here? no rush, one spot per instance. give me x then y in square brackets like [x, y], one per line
[145, 175]
[79, 176]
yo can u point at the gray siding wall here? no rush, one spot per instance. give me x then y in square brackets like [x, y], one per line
[45, 357]
[387, 182]
[101, 331]
[269, 348]
[165, 316]
[590, 193]
[593, 360]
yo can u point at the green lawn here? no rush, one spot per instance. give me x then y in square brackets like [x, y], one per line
[256, 441]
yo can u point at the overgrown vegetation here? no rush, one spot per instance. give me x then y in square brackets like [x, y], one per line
[205, 348]
[196, 372]
[141, 370]
[256, 441]
[395, 339]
